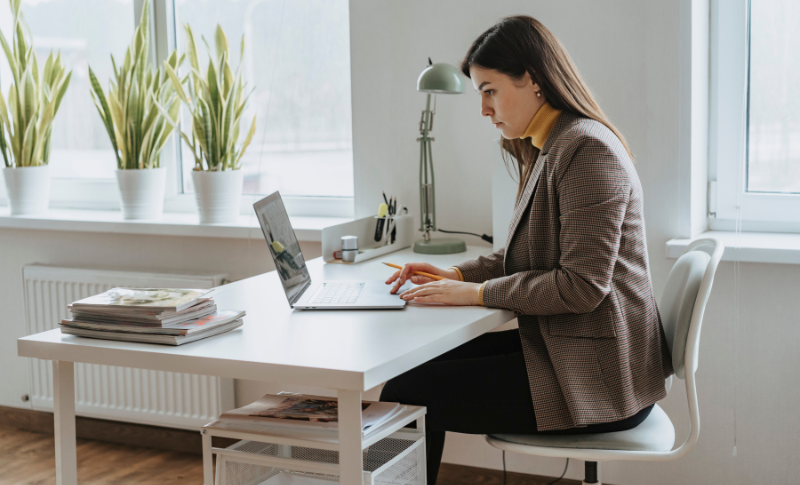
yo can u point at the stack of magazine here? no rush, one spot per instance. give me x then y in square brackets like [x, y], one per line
[300, 410]
[171, 316]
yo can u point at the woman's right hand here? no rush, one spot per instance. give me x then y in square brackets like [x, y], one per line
[400, 277]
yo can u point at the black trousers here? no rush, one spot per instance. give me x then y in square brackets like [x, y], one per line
[480, 387]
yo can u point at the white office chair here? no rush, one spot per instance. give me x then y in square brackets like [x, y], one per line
[682, 306]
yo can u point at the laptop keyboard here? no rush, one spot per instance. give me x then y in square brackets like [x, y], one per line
[344, 292]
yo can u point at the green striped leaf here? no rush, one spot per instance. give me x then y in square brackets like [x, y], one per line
[28, 141]
[247, 141]
[176, 83]
[10, 57]
[221, 41]
[213, 88]
[28, 97]
[62, 90]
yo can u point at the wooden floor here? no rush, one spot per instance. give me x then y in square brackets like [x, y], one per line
[29, 458]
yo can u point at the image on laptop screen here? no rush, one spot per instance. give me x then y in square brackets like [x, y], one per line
[283, 246]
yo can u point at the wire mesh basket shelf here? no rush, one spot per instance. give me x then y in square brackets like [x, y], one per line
[396, 460]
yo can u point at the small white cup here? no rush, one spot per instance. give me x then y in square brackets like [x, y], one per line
[349, 248]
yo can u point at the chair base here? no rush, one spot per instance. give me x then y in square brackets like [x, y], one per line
[590, 473]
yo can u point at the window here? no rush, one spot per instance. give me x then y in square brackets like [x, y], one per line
[755, 115]
[81, 155]
[773, 158]
[80, 145]
[297, 59]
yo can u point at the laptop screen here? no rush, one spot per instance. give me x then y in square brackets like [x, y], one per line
[283, 246]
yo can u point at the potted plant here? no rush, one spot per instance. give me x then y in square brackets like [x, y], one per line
[216, 101]
[26, 121]
[138, 129]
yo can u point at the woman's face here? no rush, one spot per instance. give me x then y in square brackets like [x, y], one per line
[510, 104]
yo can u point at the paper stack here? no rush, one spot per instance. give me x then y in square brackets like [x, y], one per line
[171, 316]
[301, 410]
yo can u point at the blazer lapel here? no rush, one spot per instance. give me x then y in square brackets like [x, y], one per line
[533, 178]
[524, 199]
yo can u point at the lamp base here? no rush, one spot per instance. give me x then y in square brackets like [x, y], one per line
[444, 245]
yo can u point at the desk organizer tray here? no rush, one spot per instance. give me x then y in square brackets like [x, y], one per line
[281, 455]
[364, 229]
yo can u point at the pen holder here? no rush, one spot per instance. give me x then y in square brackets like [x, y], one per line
[365, 230]
[384, 226]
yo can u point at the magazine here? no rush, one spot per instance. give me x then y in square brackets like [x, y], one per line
[154, 299]
[198, 325]
[148, 319]
[149, 338]
[310, 411]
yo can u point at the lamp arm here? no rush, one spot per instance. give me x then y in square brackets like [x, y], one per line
[433, 186]
[421, 185]
[426, 205]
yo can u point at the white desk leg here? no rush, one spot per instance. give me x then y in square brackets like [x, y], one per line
[421, 429]
[350, 460]
[208, 465]
[64, 415]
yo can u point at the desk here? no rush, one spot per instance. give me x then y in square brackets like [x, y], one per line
[349, 351]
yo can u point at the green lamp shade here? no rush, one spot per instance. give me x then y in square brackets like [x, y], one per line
[441, 78]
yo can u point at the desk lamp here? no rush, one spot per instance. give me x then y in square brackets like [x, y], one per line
[439, 78]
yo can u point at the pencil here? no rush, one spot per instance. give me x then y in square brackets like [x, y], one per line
[421, 273]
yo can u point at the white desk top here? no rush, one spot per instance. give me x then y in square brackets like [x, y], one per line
[352, 350]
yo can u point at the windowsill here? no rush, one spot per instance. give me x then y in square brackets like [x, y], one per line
[170, 224]
[753, 247]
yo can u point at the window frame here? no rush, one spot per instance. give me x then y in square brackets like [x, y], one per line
[729, 56]
[103, 194]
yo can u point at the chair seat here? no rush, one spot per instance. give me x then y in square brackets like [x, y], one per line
[655, 434]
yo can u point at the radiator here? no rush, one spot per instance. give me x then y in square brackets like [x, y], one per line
[123, 394]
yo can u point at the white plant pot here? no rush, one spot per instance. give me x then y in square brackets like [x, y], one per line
[142, 192]
[28, 189]
[218, 195]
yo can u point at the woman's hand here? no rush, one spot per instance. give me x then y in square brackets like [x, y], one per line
[445, 291]
[400, 277]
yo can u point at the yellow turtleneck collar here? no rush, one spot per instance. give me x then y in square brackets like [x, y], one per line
[541, 125]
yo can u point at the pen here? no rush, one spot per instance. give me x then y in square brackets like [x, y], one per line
[383, 209]
[394, 224]
[421, 273]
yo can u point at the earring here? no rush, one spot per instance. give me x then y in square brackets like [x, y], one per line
[538, 94]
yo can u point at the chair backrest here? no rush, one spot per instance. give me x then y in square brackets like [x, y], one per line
[682, 307]
[684, 301]
[678, 302]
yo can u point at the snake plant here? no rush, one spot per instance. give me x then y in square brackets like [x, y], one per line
[26, 122]
[138, 129]
[216, 101]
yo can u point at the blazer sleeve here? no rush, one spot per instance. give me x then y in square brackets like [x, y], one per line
[593, 195]
[484, 268]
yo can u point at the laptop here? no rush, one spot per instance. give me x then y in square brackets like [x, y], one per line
[301, 292]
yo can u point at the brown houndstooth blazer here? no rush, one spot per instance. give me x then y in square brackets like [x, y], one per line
[575, 271]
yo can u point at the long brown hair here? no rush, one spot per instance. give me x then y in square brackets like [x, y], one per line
[520, 44]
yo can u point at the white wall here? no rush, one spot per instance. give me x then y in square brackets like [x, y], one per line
[629, 52]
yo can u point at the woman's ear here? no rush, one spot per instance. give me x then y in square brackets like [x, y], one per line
[526, 80]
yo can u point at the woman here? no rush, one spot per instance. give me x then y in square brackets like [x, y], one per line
[590, 355]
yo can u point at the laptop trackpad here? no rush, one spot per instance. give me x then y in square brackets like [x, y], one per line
[378, 291]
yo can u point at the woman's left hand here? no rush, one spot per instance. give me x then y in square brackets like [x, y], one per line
[450, 292]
